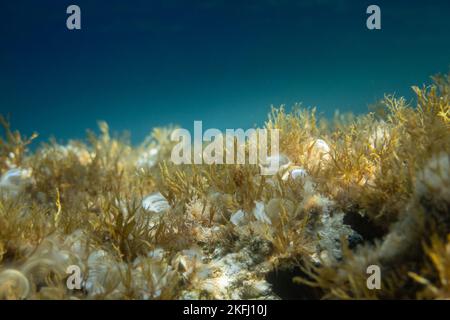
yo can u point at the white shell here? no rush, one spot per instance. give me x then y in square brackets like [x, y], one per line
[101, 268]
[298, 173]
[260, 213]
[13, 181]
[295, 173]
[14, 177]
[321, 146]
[319, 153]
[237, 218]
[155, 202]
[13, 280]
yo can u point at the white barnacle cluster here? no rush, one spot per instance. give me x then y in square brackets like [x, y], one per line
[434, 179]
[235, 275]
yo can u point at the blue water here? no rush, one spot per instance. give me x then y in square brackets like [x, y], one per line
[139, 64]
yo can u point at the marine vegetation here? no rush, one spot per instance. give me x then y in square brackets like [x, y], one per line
[353, 191]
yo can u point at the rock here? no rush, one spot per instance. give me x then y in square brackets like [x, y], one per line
[354, 240]
[229, 274]
[330, 232]
[190, 261]
[255, 288]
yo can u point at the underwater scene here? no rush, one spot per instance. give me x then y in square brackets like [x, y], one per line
[224, 150]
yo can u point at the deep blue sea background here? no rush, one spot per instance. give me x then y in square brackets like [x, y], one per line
[145, 63]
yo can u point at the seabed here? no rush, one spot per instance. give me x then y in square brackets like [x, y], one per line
[359, 209]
